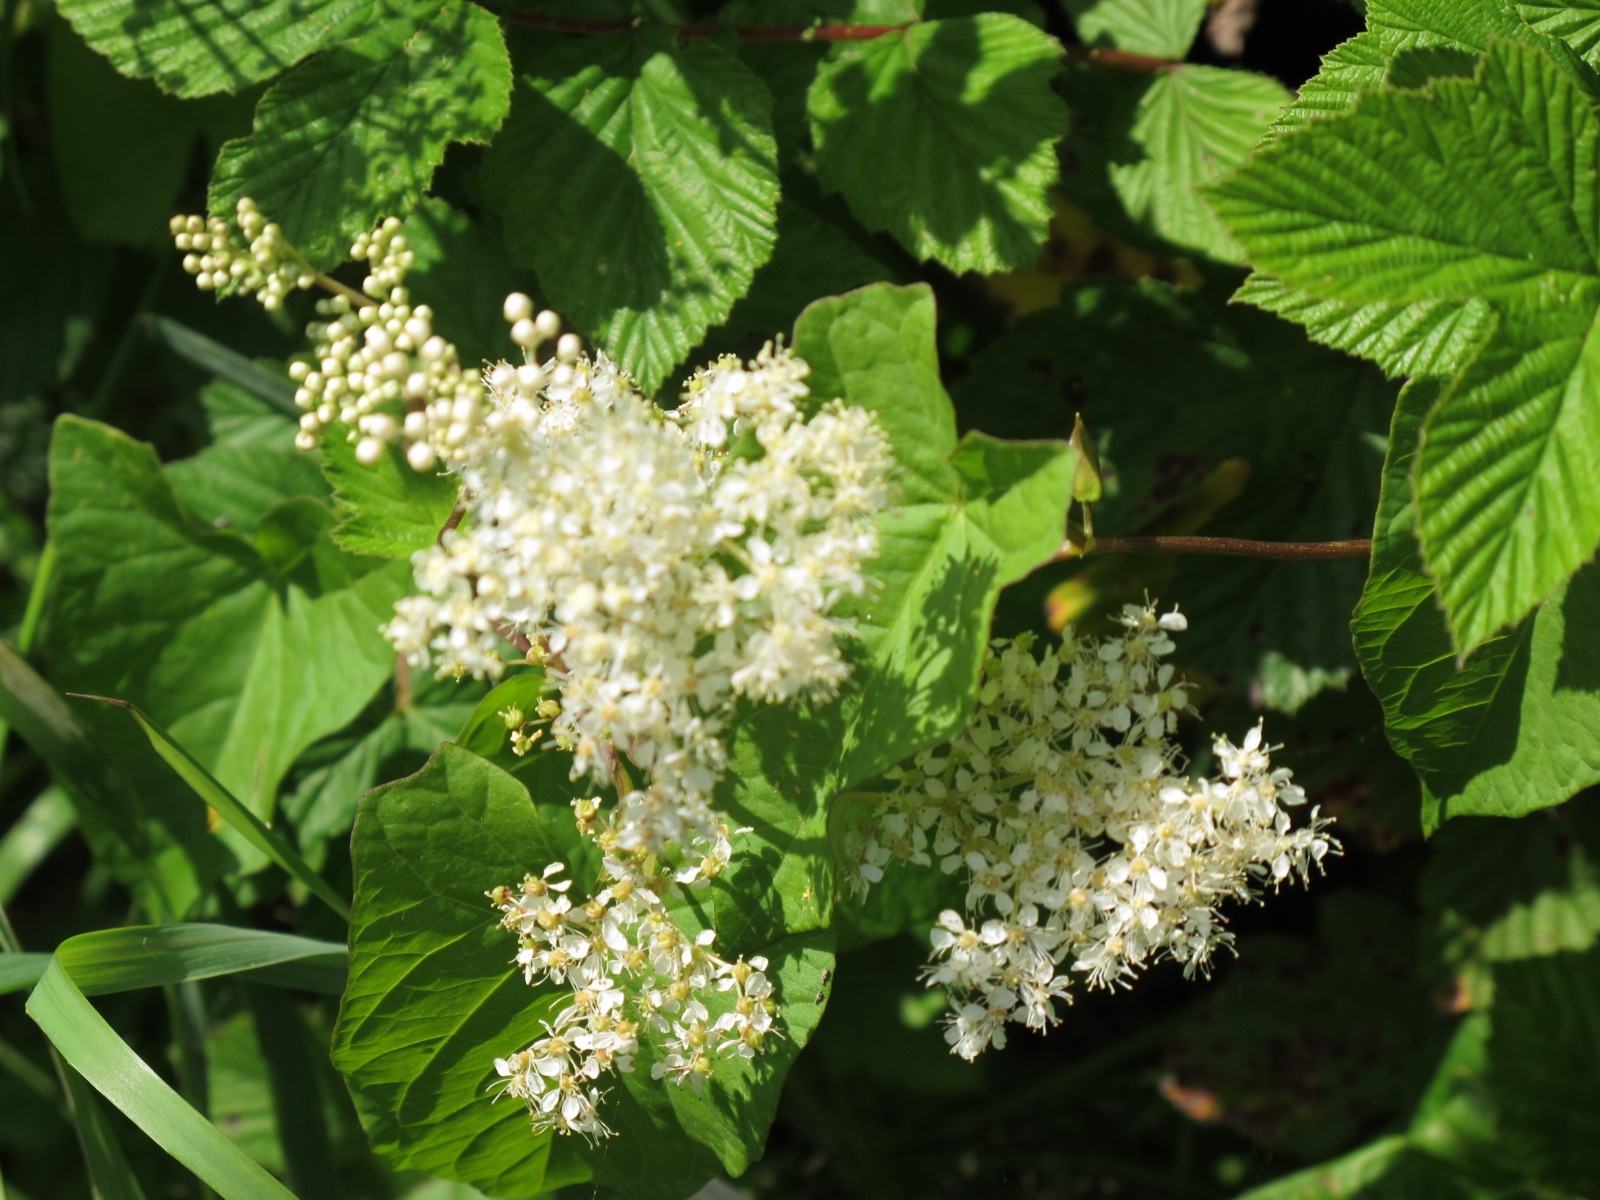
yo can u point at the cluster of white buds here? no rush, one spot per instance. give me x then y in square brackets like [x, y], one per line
[267, 266]
[625, 968]
[1083, 844]
[379, 369]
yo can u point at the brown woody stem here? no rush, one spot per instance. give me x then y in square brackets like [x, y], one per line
[1237, 547]
[802, 33]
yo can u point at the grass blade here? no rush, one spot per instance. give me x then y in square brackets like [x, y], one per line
[229, 808]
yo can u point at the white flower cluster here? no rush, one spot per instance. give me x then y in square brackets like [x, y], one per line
[267, 266]
[1083, 845]
[660, 565]
[627, 967]
[667, 563]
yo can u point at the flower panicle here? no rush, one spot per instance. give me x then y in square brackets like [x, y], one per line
[1088, 853]
[660, 566]
[626, 970]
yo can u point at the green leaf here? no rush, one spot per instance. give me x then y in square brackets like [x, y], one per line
[110, 1174]
[637, 176]
[125, 959]
[1509, 731]
[19, 971]
[251, 465]
[1395, 203]
[965, 109]
[462, 273]
[1544, 1054]
[485, 732]
[166, 862]
[1426, 338]
[1143, 143]
[1159, 28]
[32, 837]
[1575, 22]
[432, 1002]
[194, 47]
[220, 800]
[1407, 43]
[385, 509]
[121, 147]
[269, 644]
[354, 134]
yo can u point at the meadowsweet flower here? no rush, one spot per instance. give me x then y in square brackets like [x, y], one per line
[661, 566]
[1087, 853]
[625, 968]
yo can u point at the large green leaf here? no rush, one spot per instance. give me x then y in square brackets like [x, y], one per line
[1477, 188]
[432, 1001]
[1512, 730]
[1407, 43]
[121, 147]
[1160, 28]
[194, 47]
[245, 650]
[965, 111]
[1576, 22]
[1544, 1056]
[251, 465]
[354, 134]
[1143, 143]
[385, 508]
[1430, 337]
[637, 177]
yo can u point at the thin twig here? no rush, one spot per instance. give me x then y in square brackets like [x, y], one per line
[1118, 58]
[1237, 547]
[800, 33]
[751, 33]
[402, 683]
[454, 519]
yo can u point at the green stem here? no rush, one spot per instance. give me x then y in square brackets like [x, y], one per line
[359, 299]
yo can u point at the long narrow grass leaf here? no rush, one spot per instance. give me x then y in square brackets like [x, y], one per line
[19, 972]
[32, 836]
[229, 808]
[224, 363]
[93, 1049]
[110, 1175]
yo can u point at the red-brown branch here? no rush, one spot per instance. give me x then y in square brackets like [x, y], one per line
[801, 33]
[1237, 547]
